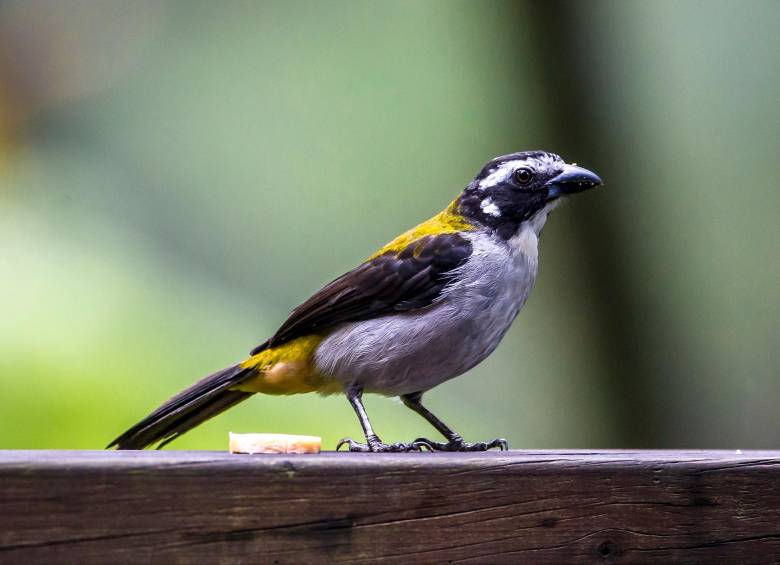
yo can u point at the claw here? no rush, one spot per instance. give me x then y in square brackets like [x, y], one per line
[377, 446]
[420, 445]
[352, 445]
[457, 444]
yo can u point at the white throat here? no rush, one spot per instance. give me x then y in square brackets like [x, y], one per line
[526, 239]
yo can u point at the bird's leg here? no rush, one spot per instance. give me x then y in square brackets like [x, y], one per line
[373, 443]
[454, 441]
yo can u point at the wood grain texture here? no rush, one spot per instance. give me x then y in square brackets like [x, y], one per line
[510, 507]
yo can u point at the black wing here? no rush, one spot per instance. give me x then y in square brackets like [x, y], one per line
[409, 279]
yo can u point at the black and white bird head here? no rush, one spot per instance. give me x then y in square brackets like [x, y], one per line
[521, 187]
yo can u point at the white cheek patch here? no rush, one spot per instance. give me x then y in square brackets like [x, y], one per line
[489, 207]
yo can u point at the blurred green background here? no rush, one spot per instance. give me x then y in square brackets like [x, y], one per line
[176, 176]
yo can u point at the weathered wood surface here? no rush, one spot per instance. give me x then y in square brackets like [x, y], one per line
[513, 507]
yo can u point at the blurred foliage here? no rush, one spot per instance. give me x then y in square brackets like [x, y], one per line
[176, 176]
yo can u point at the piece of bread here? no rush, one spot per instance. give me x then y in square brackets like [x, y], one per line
[274, 443]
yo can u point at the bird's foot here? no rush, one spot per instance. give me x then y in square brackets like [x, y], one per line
[375, 445]
[457, 444]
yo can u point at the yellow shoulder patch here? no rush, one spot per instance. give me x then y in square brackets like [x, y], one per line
[447, 221]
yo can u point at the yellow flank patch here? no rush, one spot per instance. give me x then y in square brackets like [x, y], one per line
[286, 369]
[447, 221]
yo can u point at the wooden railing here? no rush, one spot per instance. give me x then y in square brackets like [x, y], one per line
[513, 507]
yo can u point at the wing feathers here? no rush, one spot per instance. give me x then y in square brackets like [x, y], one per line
[399, 281]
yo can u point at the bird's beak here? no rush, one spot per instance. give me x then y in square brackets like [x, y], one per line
[572, 179]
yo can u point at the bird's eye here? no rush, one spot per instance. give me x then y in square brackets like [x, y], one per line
[524, 175]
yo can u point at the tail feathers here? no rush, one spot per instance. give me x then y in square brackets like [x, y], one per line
[203, 400]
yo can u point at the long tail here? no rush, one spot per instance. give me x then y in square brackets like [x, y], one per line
[203, 400]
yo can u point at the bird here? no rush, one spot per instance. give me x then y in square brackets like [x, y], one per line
[423, 309]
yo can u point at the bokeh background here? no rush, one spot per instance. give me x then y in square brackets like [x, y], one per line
[176, 176]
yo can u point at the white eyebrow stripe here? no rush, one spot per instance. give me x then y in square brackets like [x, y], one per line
[498, 174]
[489, 207]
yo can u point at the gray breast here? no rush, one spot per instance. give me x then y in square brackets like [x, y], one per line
[415, 351]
